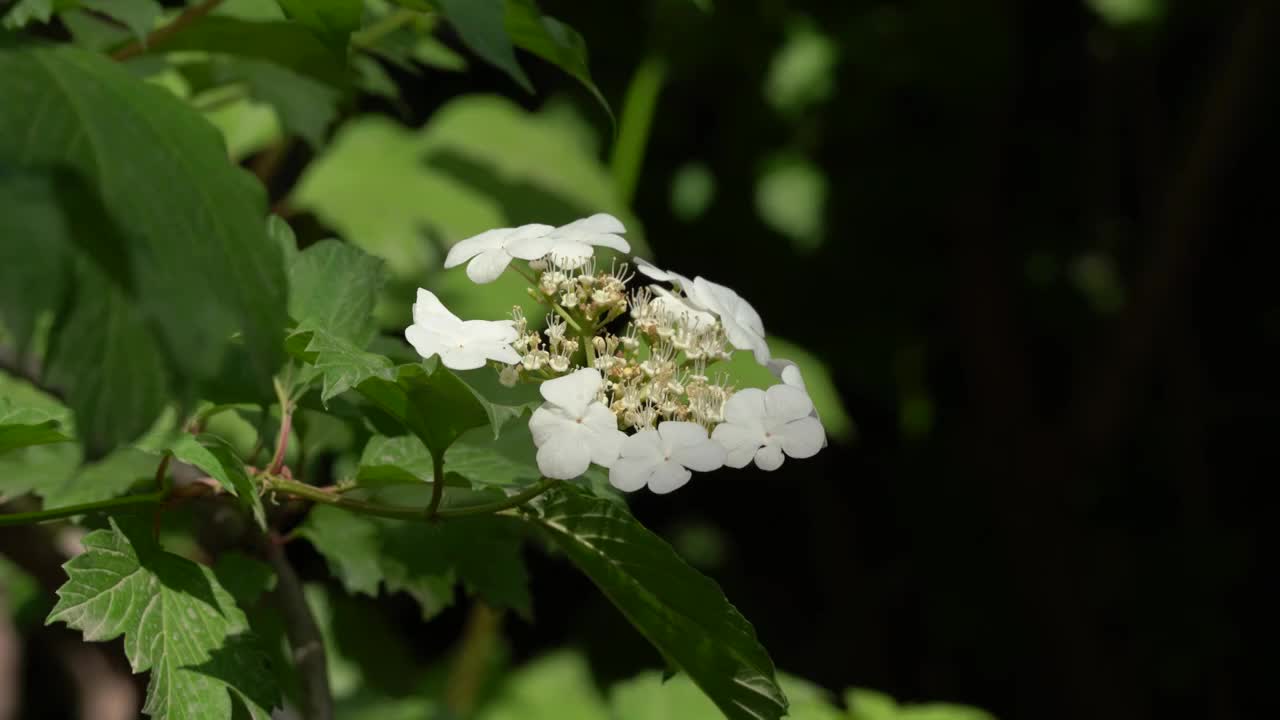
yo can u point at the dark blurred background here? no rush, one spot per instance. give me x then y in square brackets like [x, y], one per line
[1028, 242]
[1035, 269]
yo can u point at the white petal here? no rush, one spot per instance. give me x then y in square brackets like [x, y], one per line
[740, 443]
[680, 307]
[495, 331]
[706, 456]
[574, 391]
[788, 372]
[530, 242]
[429, 306]
[630, 474]
[784, 403]
[598, 223]
[769, 457]
[502, 353]
[464, 250]
[760, 349]
[565, 456]
[803, 438]
[667, 477]
[548, 421]
[650, 270]
[426, 343]
[465, 357]
[610, 241]
[746, 407]
[488, 266]
[605, 437]
[725, 301]
[644, 445]
[570, 253]
[680, 434]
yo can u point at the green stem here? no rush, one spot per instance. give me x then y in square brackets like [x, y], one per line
[437, 484]
[590, 350]
[498, 506]
[286, 425]
[567, 317]
[39, 516]
[297, 489]
[638, 109]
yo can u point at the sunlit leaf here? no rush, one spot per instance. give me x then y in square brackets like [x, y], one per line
[216, 457]
[480, 25]
[23, 425]
[791, 197]
[682, 612]
[872, 705]
[195, 266]
[332, 20]
[177, 623]
[552, 687]
[802, 72]
[334, 286]
[553, 41]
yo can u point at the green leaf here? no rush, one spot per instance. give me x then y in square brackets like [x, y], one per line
[350, 544]
[501, 403]
[332, 20]
[305, 106]
[481, 26]
[195, 260]
[25, 12]
[33, 277]
[113, 475]
[177, 622]
[510, 460]
[22, 470]
[282, 42]
[338, 363]
[422, 559]
[334, 286]
[682, 612]
[431, 403]
[651, 697]
[217, 458]
[552, 687]
[138, 15]
[394, 460]
[872, 705]
[485, 163]
[553, 41]
[106, 355]
[24, 426]
[242, 576]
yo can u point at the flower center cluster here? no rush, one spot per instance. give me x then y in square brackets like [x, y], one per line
[628, 375]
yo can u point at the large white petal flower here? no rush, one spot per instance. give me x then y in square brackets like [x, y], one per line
[491, 251]
[764, 425]
[461, 344]
[663, 458]
[573, 428]
[572, 244]
[742, 324]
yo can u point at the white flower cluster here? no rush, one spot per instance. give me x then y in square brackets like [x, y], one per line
[643, 401]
